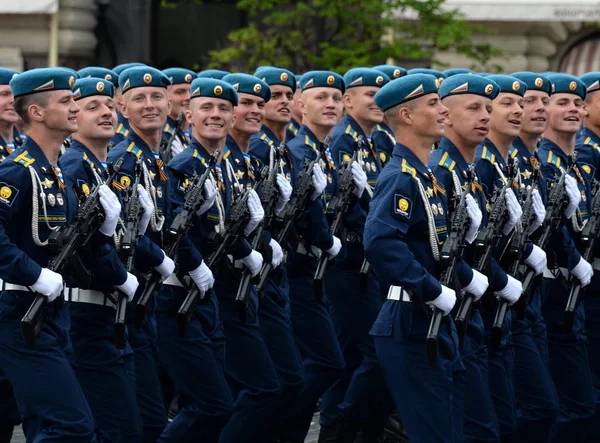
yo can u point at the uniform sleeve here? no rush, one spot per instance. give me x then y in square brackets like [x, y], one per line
[486, 173]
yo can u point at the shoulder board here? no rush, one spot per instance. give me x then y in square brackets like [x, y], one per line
[447, 162]
[196, 154]
[134, 149]
[513, 152]
[351, 132]
[88, 161]
[309, 142]
[24, 159]
[553, 159]
[408, 169]
[381, 129]
[168, 129]
[265, 138]
[293, 128]
[122, 130]
[589, 142]
[226, 154]
[487, 155]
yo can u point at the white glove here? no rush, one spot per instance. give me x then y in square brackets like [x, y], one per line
[445, 301]
[256, 212]
[319, 181]
[584, 272]
[478, 285]
[277, 253]
[203, 277]
[537, 260]
[511, 292]
[210, 195]
[146, 203]
[254, 262]
[49, 283]
[167, 266]
[176, 146]
[475, 215]
[360, 179]
[514, 211]
[285, 192]
[539, 210]
[574, 196]
[112, 209]
[335, 249]
[130, 286]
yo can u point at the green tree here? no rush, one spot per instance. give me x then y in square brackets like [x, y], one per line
[340, 34]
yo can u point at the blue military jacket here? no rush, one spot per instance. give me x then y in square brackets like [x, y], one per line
[122, 130]
[292, 130]
[182, 135]
[588, 154]
[7, 147]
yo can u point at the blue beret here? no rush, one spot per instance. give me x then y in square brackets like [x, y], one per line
[437, 74]
[6, 75]
[213, 73]
[569, 84]
[140, 76]
[211, 87]
[456, 71]
[405, 89]
[98, 72]
[298, 77]
[120, 68]
[86, 87]
[393, 72]
[469, 84]
[276, 76]
[41, 80]
[322, 79]
[249, 84]
[592, 81]
[180, 76]
[508, 83]
[365, 77]
[534, 82]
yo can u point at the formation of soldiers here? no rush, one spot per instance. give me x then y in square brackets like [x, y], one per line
[208, 257]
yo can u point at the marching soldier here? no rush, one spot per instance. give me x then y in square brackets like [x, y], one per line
[179, 94]
[296, 119]
[123, 124]
[10, 138]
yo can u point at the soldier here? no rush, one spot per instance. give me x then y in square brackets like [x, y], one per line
[10, 139]
[179, 93]
[296, 120]
[123, 125]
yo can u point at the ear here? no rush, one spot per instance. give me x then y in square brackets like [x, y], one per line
[169, 105]
[233, 120]
[347, 99]
[188, 116]
[124, 109]
[302, 106]
[585, 110]
[36, 113]
[405, 115]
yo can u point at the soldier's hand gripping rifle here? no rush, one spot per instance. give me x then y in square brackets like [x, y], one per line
[165, 149]
[180, 227]
[66, 241]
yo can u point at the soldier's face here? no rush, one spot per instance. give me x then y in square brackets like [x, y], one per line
[429, 116]
[535, 112]
[210, 117]
[97, 119]
[360, 104]
[279, 108]
[61, 112]
[591, 107]
[249, 113]
[322, 106]
[146, 107]
[180, 98]
[566, 112]
[469, 117]
[507, 114]
[7, 110]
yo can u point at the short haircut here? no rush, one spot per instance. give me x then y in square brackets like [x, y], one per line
[23, 103]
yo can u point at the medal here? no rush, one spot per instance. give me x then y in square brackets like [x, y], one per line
[51, 199]
[59, 199]
[434, 209]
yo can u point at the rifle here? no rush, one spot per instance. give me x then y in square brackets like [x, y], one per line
[66, 241]
[129, 242]
[589, 235]
[451, 253]
[234, 229]
[180, 227]
[336, 209]
[165, 148]
[298, 203]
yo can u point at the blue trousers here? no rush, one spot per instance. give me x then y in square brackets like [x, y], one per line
[427, 397]
[49, 397]
[195, 363]
[102, 373]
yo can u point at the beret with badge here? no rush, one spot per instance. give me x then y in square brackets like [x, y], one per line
[6, 75]
[249, 84]
[365, 77]
[217, 74]
[322, 79]
[509, 84]
[591, 80]
[405, 89]
[455, 71]
[276, 76]
[534, 81]
[460, 84]
[87, 87]
[179, 76]
[99, 72]
[211, 87]
[141, 76]
[568, 84]
[120, 68]
[42, 80]
[437, 74]
[393, 72]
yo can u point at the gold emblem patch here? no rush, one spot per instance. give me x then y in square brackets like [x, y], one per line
[379, 80]
[403, 204]
[108, 77]
[437, 83]
[396, 73]
[99, 86]
[572, 86]
[516, 86]
[586, 168]
[257, 88]
[330, 80]
[188, 78]
[5, 192]
[85, 188]
[71, 81]
[539, 82]
[218, 90]
[147, 79]
[125, 181]
[489, 89]
[283, 76]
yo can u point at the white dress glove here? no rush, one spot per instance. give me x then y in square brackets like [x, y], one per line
[146, 203]
[335, 249]
[514, 211]
[112, 209]
[167, 266]
[539, 209]
[574, 196]
[256, 212]
[360, 179]
[511, 292]
[475, 215]
[537, 260]
[277, 253]
[176, 146]
[478, 285]
[203, 277]
[210, 195]
[584, 272]
[445, 301]
[254, 262]
[130, 286]
[319, 181]
[49, 283]
[285, 192]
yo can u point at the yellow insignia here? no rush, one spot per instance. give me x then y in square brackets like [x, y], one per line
[429, 192]
[152, 175]
[437, 83]
[85, 188]
[239, 175]
[147, 79]
[379, 80]
[188, 78]
[59, 199]
[526, 174]
[283, 76]
[441, 80]
[125, 181]
[489, 89]
[47, 183]
[403, 204]
[516, 86]
[5, 192]
[218, 90]
[587, 169]
[346, 158]
[572, 86]
[99, 86]
[71, 81]
[539, 82]
[257, 88]
[396, 73]
[330, 80]
[383, 157]
[108, 77]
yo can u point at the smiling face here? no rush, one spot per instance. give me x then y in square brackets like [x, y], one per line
[507, 114]
[535, 112]
[60, 114]
[97, 119]
[180, 99]
[279, 108]
[210, 117]
[360, 104]
[321, 107]
[469, 117]
[7, 109]
[566, 112]
[249, 113]
[146, 108]
[429, 116]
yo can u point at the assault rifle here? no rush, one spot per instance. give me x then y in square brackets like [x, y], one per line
[165, 148]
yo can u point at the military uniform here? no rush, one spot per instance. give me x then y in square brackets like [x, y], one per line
[178, 76]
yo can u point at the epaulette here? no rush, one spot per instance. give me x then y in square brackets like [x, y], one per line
[447, 162]
[88, 161]
[293, 128]
[309, 142]
[24, 159]
[589, 142]
[487, 155]
[134, 149]
[351, 132]
[122, 130]
[553, 159]
[265, 138]
[227, 153]
[513, 152]
[408, 169]
[381, 129]
[168, 129]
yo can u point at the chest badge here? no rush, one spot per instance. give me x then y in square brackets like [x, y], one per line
[47, 183]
